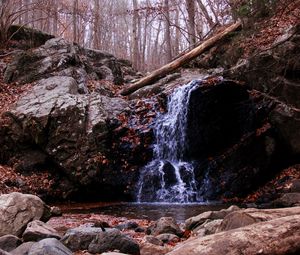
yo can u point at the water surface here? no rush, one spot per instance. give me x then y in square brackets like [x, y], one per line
[150, 211]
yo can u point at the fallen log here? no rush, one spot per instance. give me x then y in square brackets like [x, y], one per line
[166, 69]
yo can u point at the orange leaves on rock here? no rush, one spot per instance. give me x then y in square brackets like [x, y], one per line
[263, 129]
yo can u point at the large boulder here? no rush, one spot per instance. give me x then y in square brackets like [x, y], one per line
[22, 249]
[113, 240]
[38, 230]
[57, 56]
[80, 238]
[165, 225]
[276, 236]
[198, 220]
[49, 246]
[17, 210]
[9, 242]
[68, 130]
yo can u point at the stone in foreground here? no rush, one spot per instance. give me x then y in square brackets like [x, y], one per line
[279, 236]
[17, 210]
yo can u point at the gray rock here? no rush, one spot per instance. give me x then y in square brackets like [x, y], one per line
[55, 211]
[151, 249]
[288, 200]
[49, 246]
[279, 236]
[198, 220]
[2, 252]
[57, 56]
[113, 240]
[38, 230]
[113, 253]
[23, 249]
[165, 225]
[80, 238]
[237, 219]
[127, 225]
[60, 121]
[166, 238]
[9, 242]
[153, 240]
[17, 210]
[207, 228]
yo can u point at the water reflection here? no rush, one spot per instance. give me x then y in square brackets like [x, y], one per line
[151, 211]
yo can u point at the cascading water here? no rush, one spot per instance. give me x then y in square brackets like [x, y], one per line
[168, 178]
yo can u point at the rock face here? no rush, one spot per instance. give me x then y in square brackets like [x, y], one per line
[229, 136]
[57, 56]
[61, 125]
[68, 129]
[17, 210]
[272, 237]
[276, 75]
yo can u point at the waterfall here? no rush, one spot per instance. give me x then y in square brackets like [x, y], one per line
[168, 178]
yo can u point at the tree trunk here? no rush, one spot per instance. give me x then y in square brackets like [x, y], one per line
[190, 7]
[135, 39]
[157, 74]
[74, 21]
[205, 13]
[96, 24]
[167, 32]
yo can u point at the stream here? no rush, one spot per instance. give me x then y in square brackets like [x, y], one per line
[147, 211]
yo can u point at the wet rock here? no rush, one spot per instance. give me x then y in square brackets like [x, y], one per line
[38, 230]
[113, 240]
[151, 249]
[9, 242]
[287, 200]
[80, 238]
[251, 239]
[215, 118]
[23, 249]
[166, 238]
[165, 225]
[49, 246]
[198, 220]
[17, 210]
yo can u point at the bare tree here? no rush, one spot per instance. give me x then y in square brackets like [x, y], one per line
[190, 7]
[135, 39]
[167, 32]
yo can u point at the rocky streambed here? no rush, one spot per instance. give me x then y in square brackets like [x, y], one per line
[29, 226]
